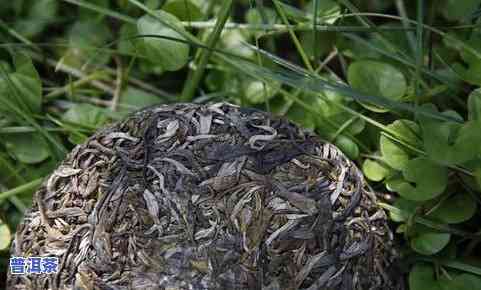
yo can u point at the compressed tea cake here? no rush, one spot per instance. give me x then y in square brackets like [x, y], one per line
[203, 197]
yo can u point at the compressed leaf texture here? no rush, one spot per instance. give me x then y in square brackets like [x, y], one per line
[213, 196]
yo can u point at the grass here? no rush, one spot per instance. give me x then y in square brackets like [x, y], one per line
[296, 61]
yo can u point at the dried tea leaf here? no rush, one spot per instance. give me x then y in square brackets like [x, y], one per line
[204, 197]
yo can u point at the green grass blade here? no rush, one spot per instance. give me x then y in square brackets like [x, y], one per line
[19, 109]
[404, 61]
[185, 34]
[194, 79]
[314, 28]
[455, 264]
[102, 10]
[368, 23]
[297, 43]
[419, 47]
[297, 77]
[20, 189]
[428, 223]
[449, 37]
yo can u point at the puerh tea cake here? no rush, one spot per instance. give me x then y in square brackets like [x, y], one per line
[203, 197]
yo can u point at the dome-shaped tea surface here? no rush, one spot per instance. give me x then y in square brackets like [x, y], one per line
[206, 197]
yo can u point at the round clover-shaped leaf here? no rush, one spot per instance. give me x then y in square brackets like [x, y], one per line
[457, 10]
[87, 34]
[298, 115]
[133, 98]
[171, 55]
[234, 41]
[423, 180]
[398, 40]
[452, 143]
[430, 243]
[354, 126]
[40, 14]
[348, 146]
[84, 36]
[89, 15]
[256, 16]
[260, 16]
[85, 114]
[184, 10]
[449, 211]
[24, 86]
[329, 107]
[374, 170]
[5, 236]
[126, 45]
[28, 148]
[258, 92]
[29, 90]
[393, 153]
[377, 78]
[313, 47]
[422, 277]
[470, 74]
[328, 11]
[462, 282]
[407, 208]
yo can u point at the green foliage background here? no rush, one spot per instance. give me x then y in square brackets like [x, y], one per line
[394, 84]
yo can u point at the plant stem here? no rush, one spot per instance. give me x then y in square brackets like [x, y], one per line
[204, 55]
[409, 35]
[294, 38]
[67, 88]
[72, 71]
[210, 24]
[419, 48]
[118, 85]
[22, 188]
[429, 223]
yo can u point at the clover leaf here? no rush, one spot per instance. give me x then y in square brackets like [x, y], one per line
[462, 282]
[184, 10]
[171, 55]
[450, 142]
[406, 209]
[5, 236]
[449, 210]
[23, 86]
[422, 180]
[422, 277]
[394, 154]
[457, 10]
[347, 146]
[430, 243]
[85, 114]
[374, 170]
[378, 79]
[28, 148]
